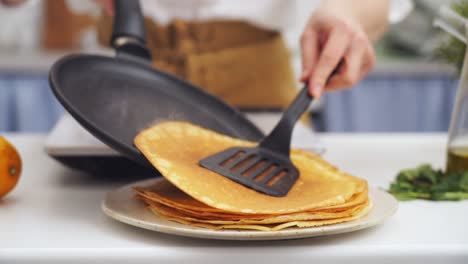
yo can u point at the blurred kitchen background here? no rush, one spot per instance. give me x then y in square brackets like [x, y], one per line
[409, 89]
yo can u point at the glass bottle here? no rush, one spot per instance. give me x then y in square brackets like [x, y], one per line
[457, 147]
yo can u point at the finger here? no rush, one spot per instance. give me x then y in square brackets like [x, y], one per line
[107, 5]
[352, 68]
[309, 51]
[369, 60]
[110, 7]
[331, 55]
[12, 3]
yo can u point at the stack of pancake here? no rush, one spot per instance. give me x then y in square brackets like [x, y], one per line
[192, 195]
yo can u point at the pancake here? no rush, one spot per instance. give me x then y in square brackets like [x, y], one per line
[273, 219]
[264, 227]
[163, 192]
[175, 148]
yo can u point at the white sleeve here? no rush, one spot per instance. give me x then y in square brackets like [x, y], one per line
[399, 9]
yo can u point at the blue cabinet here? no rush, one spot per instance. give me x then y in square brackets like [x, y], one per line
[27, 104]
[392, 103]
[381, 102]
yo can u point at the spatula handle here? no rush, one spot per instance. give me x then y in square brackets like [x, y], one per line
[279, 140]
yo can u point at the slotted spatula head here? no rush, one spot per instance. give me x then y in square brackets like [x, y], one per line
[257, 168]
[266, 168]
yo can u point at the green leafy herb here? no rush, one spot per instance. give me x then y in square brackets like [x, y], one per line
[424, 182]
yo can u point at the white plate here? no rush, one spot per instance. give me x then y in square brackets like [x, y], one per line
[122, 205]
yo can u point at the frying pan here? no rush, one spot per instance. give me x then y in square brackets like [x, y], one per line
[114, 98]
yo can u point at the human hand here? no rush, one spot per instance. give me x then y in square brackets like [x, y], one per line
[11, 3]
[107, 5]
[332, 40]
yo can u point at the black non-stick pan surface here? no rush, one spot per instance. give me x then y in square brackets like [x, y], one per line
[116, 97]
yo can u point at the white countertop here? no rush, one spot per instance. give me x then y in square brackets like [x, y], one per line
[54, 216]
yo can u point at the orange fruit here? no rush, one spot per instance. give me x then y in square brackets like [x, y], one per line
[10, 166]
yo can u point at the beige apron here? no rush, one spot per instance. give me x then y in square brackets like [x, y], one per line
[246, 66]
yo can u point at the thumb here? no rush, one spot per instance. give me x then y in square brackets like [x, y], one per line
[309, 51]
[331, 55]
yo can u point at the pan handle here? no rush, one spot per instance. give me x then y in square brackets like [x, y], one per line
[129, 34]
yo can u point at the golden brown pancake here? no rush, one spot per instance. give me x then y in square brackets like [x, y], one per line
[163, 192]
[364, 210]
[175, 148]
[272, 219]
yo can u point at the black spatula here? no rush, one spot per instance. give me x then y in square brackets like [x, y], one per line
[266, 168]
